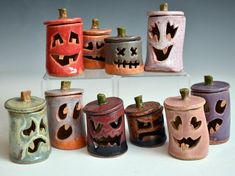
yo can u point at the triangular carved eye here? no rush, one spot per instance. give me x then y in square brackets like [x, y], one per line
[196, 124]
[99, 45]
[28, 131]
[116, 123]
[57, 39]
[121, 52]
[171, 30]
[97, 128]
[175, 124]
[142, 125]
[88, 46]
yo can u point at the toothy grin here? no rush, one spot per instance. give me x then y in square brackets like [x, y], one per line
[35, 144]
[124, 63]
[162, 54]
[188, 143]
[214, 125]
[65, 60]
[64, 132]
[97, 58]
[105, 141]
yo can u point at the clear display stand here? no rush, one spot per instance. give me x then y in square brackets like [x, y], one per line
[155, 86]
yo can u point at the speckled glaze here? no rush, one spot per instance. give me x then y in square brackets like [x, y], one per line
[123, 55]
[188, 134]
[216, 96]
[165, 40]
[66, 119]
[106, 128]
[64, 47]
[28, 132]
[146, 124]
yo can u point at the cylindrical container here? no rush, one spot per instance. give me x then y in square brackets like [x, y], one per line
[64, 46]
[146, 124]
[65, 116]
[28, 132]
[165, 40]
[93, 45]
[123, 54]
[217, 108]
[188, 134]
[105, 126]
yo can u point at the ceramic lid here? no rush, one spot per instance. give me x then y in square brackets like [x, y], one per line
[95, 30]
[184, 102]
[210, 86]
[121, 37]
[103, 105]
[142, 109]
[64, 90]
[164, 11]
[63, 19]
[25, 104]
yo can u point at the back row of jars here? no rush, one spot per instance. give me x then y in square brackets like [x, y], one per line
[69, 49]
[193, 122]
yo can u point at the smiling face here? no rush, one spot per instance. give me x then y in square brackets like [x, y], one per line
[188, 135]
[64, 49]
[29, 139]
[67, 122]
[165, 43]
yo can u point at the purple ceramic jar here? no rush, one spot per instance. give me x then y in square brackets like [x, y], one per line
[217, 107]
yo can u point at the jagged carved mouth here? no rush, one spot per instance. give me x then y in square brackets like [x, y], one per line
[125, 63]
[64, 60]
[97, 58]
[214, 125]
[188, 143]
[33, 147]
[162, 54]
[146, 136]
[105, 141]
[64, 132]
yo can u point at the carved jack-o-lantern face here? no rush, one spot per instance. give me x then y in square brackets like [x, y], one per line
[64, 48]
[165, 43]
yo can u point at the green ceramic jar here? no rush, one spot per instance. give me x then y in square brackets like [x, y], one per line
[28, 131]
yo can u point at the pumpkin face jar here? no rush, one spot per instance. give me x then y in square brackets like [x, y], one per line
[29, 136]
[187, 127]
[217, 108]
[123, 54]
[93, 46]
[65, 116]
[165, 38]
[146, 124]
[105, 127]
[64, 46]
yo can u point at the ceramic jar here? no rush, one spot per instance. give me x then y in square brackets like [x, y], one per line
[105, 126]
[65, 116]
[217, 107]
[28, 132]
[165, 39]
[146, 123]
[123, 54]
[64, 46]
[93, 45]
[188, 134]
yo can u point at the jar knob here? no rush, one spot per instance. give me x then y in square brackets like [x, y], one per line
[184, 93]
[95, 23]
[208, 79]
[121, 31]
[65, 85]
[26, 96]
[139, 101]
[164, 7]
[101, 99]
[63, 13]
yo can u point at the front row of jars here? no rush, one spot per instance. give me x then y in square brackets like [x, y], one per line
[190, 128]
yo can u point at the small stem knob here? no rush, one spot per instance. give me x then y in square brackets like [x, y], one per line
[208, 79]
[63, 13]
[164, 7]
[139, 101]
[26, 96]
[101, 99]
[184, 93]
[121, 32]
[95, 23]
[65, 85]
